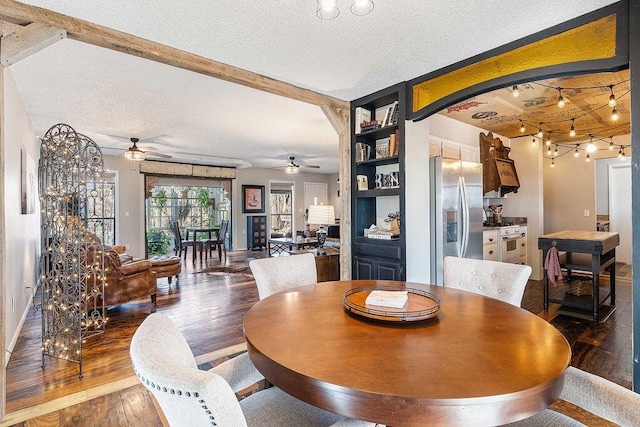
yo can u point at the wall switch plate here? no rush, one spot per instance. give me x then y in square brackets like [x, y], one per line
[586, 212]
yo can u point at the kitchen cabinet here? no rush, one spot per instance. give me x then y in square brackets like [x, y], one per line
[451, 150]
[380, 169]
[490, 244]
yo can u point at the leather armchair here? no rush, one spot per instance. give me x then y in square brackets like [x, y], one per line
[129, 281]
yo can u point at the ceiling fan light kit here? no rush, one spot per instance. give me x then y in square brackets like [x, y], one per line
[134, 153]
[328, 9]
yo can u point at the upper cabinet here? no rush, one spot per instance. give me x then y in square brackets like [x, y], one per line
[378, 181]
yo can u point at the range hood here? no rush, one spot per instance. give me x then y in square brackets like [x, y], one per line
[499, 174]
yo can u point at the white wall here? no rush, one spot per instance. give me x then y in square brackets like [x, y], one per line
[130, 199]
[255, 176]
[602, 175]
[527, 202]
[22, 232]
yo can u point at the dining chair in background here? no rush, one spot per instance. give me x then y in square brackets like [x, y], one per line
[280, 273]
[499, 280]
[188, 396]
[218, 242]
[181, 244]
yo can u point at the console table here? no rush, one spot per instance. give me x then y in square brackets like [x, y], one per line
[281, 245]
[587, 251]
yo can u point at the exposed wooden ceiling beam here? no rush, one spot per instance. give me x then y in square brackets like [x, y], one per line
[335, 118]
[28, 40]
[98, 35]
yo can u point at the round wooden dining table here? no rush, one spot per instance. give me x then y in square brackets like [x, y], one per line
[479, 361]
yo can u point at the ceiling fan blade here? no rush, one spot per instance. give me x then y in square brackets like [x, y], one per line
[309, 166]
[153, 154]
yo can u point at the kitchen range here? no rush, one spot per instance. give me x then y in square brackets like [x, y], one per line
[506, 243]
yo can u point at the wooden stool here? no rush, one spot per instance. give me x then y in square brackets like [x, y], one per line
[166, 266]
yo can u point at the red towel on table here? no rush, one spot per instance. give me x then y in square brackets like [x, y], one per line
[552, 265]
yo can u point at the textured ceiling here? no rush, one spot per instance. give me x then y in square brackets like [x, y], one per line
[111, 96]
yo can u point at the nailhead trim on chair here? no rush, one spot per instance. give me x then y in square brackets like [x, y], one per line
[179, 392]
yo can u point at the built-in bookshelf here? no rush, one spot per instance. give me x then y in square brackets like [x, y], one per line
[377, 162]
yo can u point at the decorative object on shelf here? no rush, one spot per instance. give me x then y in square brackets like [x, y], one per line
[70, 176]
[321, 215]
[363, 182]
[362, 115]
[373, 232]
[382, 150]
[363, 152]
[394, 219]
[387, 180]
[328, 9]
[253, 199]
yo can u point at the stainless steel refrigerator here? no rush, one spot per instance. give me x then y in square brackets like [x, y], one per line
[456, 211]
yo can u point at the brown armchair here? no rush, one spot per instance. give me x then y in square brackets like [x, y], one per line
[129, 281]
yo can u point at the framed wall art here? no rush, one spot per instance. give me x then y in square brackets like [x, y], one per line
[253, 199]
[28, 183]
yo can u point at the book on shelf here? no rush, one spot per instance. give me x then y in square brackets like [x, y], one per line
[396, 149]
[362, 115]
[393, 114]
[393, 142]
[386, 116]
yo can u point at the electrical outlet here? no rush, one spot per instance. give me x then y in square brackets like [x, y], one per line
[126, 213]
[586, 212]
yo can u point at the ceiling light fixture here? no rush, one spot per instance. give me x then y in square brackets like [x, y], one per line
[552, 163]
[549, 151]
[533, 141]
[549, 140]
[576, 153]
[612, 98]
[521, 126]
[621, 153]
[561, 102]
[614, 115]
[540, 134]
[291, 169]
[588, 158]
[591, 147]
[134, 153]
[555, 152]
[515, 91]
[328, 9]
[572, 132]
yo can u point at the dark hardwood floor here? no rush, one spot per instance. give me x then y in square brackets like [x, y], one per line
[208, 307]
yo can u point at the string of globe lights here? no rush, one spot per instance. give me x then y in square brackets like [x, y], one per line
[589, 139]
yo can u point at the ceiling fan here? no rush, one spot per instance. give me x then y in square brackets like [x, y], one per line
[135, 153]
[292, 166]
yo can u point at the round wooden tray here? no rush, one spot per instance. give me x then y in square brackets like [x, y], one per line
[421, 305]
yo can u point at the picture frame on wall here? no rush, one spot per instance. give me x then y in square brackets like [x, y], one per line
[253, 199]
[28, 183]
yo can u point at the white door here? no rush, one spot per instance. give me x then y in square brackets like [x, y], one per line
[620, 209]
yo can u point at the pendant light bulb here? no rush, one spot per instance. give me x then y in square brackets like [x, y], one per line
[515, 91]
[555, 152]
[553, 164]
[614, 115]
[533, 141]
[591, 147]
[611, 145]
[540, 134]
[612, 98]
[549, 151]
[521, 126]
[588, 159]
[561, 102]
[620, 153]
[576, 153]
[572, 132]
[548, 140]
[622, 156]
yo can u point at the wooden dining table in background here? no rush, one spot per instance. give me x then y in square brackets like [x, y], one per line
[479, 361]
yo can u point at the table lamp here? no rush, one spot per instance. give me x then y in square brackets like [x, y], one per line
[321, 215]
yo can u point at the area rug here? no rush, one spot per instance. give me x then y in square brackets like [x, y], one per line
[230, 270]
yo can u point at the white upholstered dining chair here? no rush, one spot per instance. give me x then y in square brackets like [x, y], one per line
[499, 280]
[188, 396]
[601, 397]
[281, 273]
